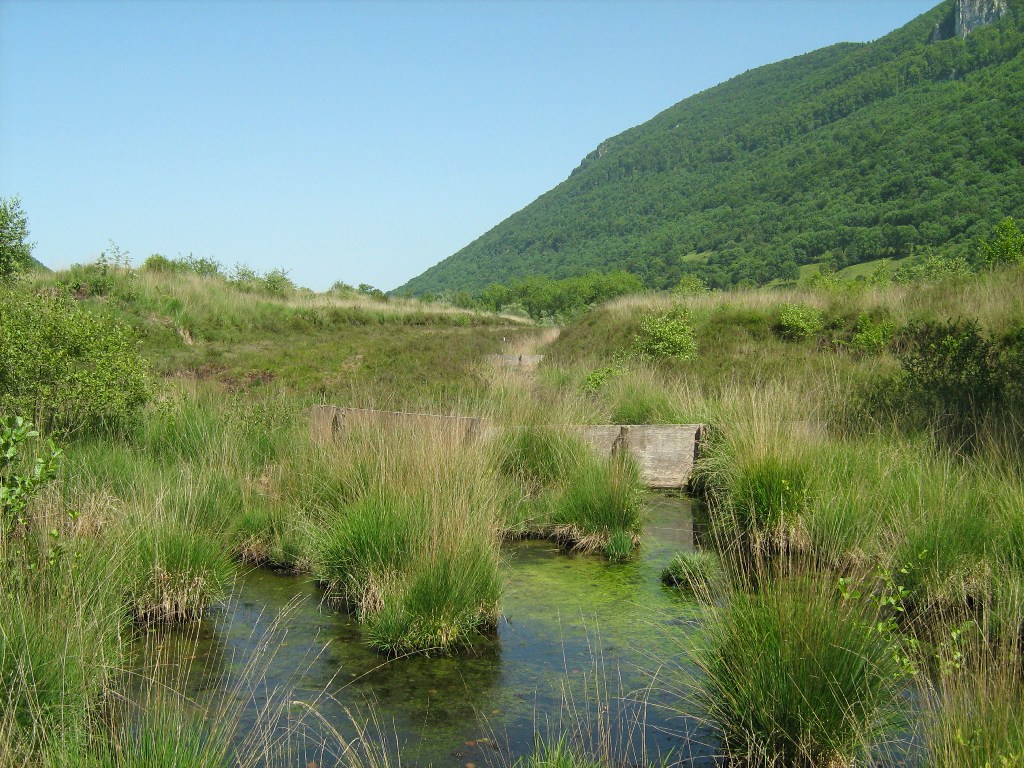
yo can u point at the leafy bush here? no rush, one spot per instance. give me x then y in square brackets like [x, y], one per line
[18, 482]
[798, 321]
[1006, 246]
[109, 275]
[15, 249]
[666, 334]
[196, 265]
[871, 335]
[954, 378]
[67, 369]
[690, 285]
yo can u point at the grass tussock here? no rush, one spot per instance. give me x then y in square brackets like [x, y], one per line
[698, 573]
[793, 676]
[411, 543]
[569, 493]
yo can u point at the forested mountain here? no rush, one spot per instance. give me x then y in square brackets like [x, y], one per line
[840, 156]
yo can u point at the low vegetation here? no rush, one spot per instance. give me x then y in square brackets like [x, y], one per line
[862, 578]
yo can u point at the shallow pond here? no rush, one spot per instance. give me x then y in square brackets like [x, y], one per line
[582, 642]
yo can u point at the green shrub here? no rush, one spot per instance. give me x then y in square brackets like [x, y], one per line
[954, 379]
[65, 368]
[160, 263]
[872, 336]
[15, 248]
[1006, 246]
[21, 478]
[596, 379]
[799, 321]
[690, 285]
[795, 677]
[667, 334]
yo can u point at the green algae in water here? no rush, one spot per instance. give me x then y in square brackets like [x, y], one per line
[569, 623]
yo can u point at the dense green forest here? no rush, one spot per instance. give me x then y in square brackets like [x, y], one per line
[844, 155]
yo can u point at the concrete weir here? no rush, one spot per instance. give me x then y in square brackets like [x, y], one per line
[664, 452]
[522, 362]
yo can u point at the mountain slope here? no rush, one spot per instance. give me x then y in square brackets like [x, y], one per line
[843, 155]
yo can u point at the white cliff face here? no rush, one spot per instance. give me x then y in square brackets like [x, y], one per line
[970, 14]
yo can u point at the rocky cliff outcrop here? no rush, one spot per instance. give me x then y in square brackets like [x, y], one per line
[968, 15]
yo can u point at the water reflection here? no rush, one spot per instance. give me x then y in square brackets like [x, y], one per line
[571, 625]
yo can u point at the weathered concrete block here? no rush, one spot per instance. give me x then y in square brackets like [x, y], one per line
[525, 362]
[323, 421]
[665, 452]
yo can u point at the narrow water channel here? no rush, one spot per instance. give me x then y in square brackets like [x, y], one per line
[610, 638]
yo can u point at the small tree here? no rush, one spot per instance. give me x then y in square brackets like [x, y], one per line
[15, 248]
[1006, 246]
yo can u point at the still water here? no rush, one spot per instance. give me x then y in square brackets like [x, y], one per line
[583, 646]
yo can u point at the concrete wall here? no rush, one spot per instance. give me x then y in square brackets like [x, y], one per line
[525, 362]
[665, 452]
[329, 421]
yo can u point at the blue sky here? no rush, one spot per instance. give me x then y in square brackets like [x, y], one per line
[360, 141]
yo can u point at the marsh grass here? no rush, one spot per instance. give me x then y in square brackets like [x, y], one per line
[403, 524]
[63, 630]
[567, 492]
[698, 573]
[176, 571]
[792, 676]
[411, 546]
[975, 699]
[599, 507]
[598, 724]
[635, 403]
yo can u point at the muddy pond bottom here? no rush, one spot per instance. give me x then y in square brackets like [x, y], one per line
[583, 647]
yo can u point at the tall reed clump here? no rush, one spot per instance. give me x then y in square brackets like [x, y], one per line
[756, 471]
[570, 493]
[63, 634]
[176, 570]
[411, 542]
[974, 714]
[793, 676]
[600, 506]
